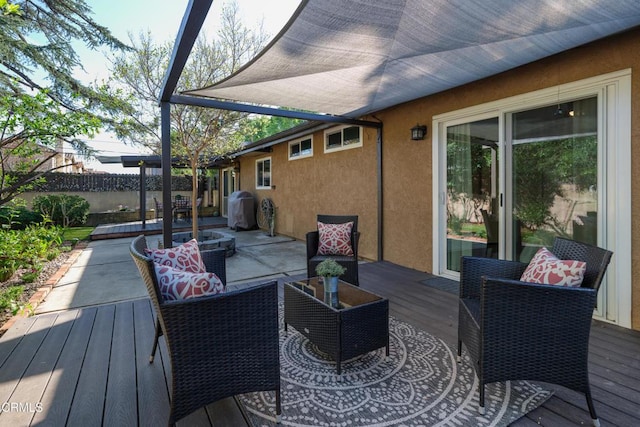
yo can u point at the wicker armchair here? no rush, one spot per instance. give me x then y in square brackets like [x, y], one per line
[349, 262]
[220, 345]
[516, 330]
[491, 228]
[158, 211]
[181, 206]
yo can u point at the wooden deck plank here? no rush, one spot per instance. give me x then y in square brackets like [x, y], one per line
[121, 407]
[36, 378]
[16, 364]
[524, 422]
[153, 396]
[58, 396]
[13, 336]
[199, 418]
[88, 403]
[626, 353]
[618, 366]
[544, 416]
[625, 381]
[611, 411]
[226, 413]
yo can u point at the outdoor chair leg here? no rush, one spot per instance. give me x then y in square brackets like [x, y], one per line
[278, 407]
[459, 357]
[155, 341]
[592, 410]
[481, 399]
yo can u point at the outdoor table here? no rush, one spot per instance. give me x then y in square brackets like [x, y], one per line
[343, 325]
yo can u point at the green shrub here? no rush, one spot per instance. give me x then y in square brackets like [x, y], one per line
[27, 248]
[9, 253]
[52, 254]
[7, 268]
[63, 209]
[30, 276]
[9, 298]
[18, 217]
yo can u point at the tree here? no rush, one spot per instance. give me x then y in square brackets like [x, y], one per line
[37, 53]
[261, 127]
[197, 134]
[41, 103]
[544, 169]
[31, 123]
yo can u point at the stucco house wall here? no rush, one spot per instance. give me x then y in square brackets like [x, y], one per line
[408, 165]
[345, 182]
[336, 183]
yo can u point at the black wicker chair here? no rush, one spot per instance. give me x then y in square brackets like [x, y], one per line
[521, 331]
[181, 206]
[349, 262]
[220, 345]
[491, 228]
[158, 211]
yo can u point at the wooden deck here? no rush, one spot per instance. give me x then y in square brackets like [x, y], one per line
[89, 367]
[152, 226]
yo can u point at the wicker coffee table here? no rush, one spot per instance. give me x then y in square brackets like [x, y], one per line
[354, 323]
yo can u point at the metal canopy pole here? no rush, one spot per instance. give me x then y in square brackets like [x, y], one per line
[192, 21]
[269, 111]
[167, 217]
[143, 194]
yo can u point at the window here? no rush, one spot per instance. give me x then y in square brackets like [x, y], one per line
[342, 138]
[301, 148]
[263, 173]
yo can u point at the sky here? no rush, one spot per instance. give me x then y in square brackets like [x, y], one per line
[162, 18]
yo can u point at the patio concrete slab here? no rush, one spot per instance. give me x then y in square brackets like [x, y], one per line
[256, 262]
[105, 273]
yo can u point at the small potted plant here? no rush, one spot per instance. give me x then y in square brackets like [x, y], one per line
[330, 270]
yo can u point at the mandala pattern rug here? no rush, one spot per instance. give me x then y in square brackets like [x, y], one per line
[419, 384]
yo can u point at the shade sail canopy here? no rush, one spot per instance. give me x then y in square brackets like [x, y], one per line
[350, 57]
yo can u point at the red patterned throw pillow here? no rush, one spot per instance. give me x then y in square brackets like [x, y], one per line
[546, 268]
[178, 284]
[185, 257]
[335, 239]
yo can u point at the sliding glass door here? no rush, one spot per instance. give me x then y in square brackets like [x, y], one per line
[512, 174]
[229, 185]
[550, 188]
[554, 176]
[472, 156]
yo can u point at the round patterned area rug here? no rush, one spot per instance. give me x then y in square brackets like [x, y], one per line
[419, 384]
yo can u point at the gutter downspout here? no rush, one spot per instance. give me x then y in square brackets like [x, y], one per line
[380, 194]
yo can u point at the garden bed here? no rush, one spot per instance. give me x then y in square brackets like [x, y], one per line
[22, 300]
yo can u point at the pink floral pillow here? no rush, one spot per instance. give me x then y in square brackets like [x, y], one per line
[335, 239]
[546, 268]
[185, 257]
[177, 284]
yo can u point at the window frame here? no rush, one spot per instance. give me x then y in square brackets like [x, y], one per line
[299, 142]
[259, 162]
[340, 129]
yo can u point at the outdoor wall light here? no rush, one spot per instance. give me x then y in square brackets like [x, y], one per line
[418, 132]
